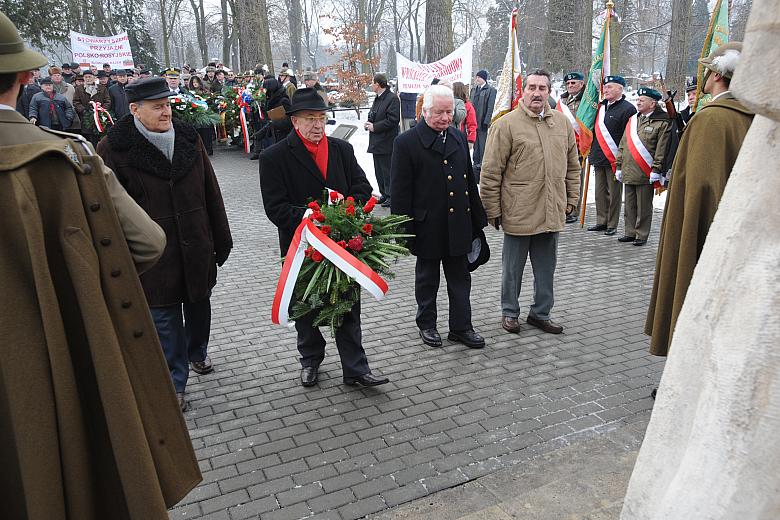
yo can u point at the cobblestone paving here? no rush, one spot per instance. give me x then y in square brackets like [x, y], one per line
[270, 449]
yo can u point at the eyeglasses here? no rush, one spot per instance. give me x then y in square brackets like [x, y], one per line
[314, 119]
[573, 82]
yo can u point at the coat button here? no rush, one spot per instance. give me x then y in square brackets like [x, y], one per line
[445, 161]
[115, 273]
[452, 194]
[105, 241]
[452, 210]
[467, 194]
[87, 169]
[126, 304]
[464, 176]
[449, 177]
[468, 209]
[138, 333]
[95, 206]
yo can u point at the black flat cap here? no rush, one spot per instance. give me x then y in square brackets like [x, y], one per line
[147, 89]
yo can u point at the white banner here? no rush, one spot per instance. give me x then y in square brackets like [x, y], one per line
[97, 50]
[416, 77]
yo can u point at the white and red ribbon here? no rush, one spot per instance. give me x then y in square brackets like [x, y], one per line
[244, 129]
[308, 233]
[97, 108]
[604, 138]
[639, 152]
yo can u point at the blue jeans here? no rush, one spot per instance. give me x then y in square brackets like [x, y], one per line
[184, 334]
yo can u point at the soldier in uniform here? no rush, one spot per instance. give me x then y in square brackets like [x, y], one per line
[90, 424]
[568, 104]
[434, 183]
[639, 163]
[690, 91]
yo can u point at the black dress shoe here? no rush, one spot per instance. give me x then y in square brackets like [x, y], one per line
[468, 337]
[598, 227]
[626, 238]
[610, 231]
[570, 219]
[431, 337]
[366, 380]
[309, 376]
[640, 242]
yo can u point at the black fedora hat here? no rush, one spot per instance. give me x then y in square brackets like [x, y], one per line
[147, 88]
[307, 99]
[480, 251]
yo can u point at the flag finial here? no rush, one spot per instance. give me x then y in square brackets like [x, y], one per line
[610, 5]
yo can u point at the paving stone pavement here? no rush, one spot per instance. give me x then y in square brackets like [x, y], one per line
[270, 449]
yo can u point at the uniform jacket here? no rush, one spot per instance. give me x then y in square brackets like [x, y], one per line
[81, 100]
[573, 102]
[119, 104]
[91, 427]
[530, 171]
[39, 109]
[385, 113]
[289, 180]
[483, 98]
[184, 198]
[653, 131]
[705, 157]
[615, 119]
[433, 183]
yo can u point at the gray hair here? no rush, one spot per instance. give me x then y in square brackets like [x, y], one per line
[435, 91]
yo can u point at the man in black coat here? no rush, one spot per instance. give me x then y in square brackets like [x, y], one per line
[483, 97]
[613, 115]
[119, 104]
[163, 165]
[293, 172]
[383, 120]
[433, 182]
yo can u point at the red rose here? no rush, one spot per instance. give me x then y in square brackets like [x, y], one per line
[356, 244]
[334, 196]
[317, 256]
[369, 207]
[308, 251]
[350, 201]
[313, 205]
[326, 229]
[318, 216]
[342, 244]
[350, 211]
[367, 229]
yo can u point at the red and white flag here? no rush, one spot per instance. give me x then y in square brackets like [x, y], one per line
[510, 83]
[604, 138]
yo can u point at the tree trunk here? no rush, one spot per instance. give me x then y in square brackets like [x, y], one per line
[583, 35]
[438, 29]
[226, 40]
[254, 36]
[558, 45]
[294, 15]
[677, 53]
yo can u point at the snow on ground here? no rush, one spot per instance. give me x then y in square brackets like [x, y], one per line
[359, 141]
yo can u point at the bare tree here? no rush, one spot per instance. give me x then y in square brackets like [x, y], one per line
[438, 29]
[169, 13]
[677, 53]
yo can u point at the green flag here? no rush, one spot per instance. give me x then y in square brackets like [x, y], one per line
[589, 107]
[717, 35]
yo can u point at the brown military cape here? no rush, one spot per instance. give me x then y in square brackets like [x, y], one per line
[701, 168]
[90, 428]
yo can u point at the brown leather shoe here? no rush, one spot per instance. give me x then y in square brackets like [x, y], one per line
[182, 401]
[545, 325]
[510, 324]
[202, 367]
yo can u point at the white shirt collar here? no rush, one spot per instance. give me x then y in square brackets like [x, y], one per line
[720, 95]
[6, 107]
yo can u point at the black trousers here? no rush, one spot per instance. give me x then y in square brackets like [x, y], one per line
[349, 342]
[207, 136]
[382, 172]
[426, 287]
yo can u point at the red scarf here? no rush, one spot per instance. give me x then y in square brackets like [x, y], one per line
[318, 152]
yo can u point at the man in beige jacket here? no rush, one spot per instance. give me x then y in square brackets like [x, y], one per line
[530, 182]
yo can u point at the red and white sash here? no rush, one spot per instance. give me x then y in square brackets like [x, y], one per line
[309, 234]
[564, 109]
[605, 140]
[639, 152]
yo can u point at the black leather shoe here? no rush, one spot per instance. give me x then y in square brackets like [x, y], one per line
[546, 325]
[309, 376]
[640, 242]
[570, 219]
[610, 231]
[598, 227]
[366, 380]
[626, 238]
[431, 337]
[468, 337]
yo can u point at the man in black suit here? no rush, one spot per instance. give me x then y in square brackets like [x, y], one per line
[293, 172]
[433, 182]
[383, 120]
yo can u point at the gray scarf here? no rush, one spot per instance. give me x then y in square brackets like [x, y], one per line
[163, 141]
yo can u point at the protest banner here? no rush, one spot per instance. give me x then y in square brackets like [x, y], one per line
[416, 77]
[97, 50]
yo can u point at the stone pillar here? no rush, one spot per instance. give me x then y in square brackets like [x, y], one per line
[712, 449]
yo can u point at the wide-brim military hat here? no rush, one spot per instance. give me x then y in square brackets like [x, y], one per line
[724, 59]
[147, 89]
[307, 99]
[14, 56]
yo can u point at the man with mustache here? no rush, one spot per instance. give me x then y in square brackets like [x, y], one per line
[530, 182]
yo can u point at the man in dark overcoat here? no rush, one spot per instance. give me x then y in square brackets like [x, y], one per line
[164, 166]
[483, 97]
[293, 172]
[434, 184]
[89, 425]
[383, 120]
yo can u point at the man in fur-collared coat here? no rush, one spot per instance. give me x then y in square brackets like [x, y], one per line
[163, 165]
